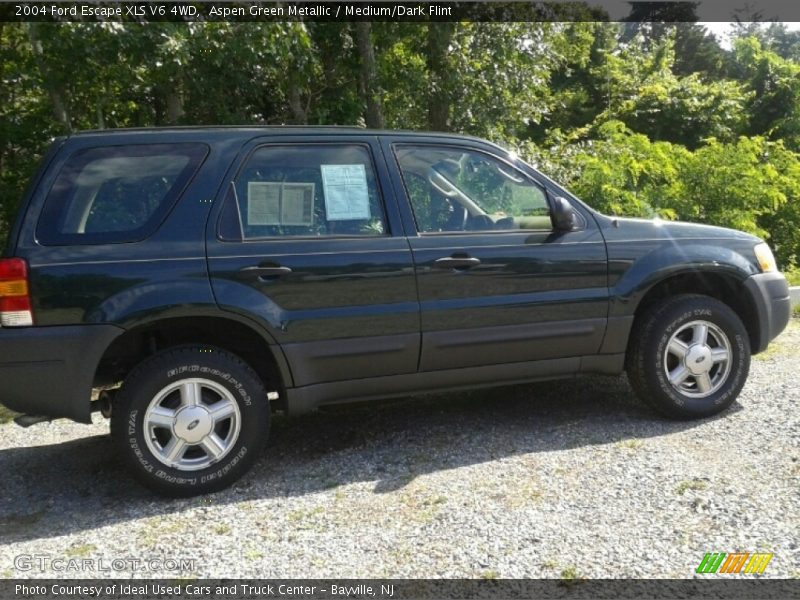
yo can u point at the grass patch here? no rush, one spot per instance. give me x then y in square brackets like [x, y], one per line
[570, 577]
[631, 444]
[693, 484]
[526, 494]
[223, 529]
[155, 528]
[6, 415]
[793, 275]
[80, 550]
[253, 555]
[776, 348]
[490, 574]
[784, 343]
[570, 573]
[422, 507]
[304, 513]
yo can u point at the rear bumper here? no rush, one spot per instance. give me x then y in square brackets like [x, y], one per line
[49, 371]
[770, 293]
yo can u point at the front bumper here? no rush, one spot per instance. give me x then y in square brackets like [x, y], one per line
[770, 294]
[49, 371]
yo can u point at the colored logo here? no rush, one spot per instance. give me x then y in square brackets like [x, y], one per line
[734, 562]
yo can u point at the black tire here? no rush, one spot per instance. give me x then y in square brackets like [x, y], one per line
[649, 362]
[215, 376]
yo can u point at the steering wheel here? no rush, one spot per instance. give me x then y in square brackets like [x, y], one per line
[458, 218]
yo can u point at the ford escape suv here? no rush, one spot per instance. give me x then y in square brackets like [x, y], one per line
[201, 278]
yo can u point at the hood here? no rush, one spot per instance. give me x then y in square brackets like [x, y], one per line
[660, 229]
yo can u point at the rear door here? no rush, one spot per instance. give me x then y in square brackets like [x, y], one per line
[497, 284]
[309, 243]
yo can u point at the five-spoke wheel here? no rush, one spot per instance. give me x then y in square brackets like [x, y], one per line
[192, 424]
[688, 356]
[698, 359]
[191, 420]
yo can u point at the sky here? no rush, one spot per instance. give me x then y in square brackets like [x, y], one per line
[714, 10]
[722, 30]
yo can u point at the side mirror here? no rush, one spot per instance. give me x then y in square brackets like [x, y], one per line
[563, 217]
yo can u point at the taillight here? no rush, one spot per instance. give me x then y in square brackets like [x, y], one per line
[15, 300]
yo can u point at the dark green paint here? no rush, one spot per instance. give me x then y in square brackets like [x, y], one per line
[355, 308]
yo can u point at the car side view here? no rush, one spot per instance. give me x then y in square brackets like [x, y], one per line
[188, 282]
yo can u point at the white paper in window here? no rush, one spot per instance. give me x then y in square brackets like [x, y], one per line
[346, 195]
[263, 203]
[297, 204]
[280, 203]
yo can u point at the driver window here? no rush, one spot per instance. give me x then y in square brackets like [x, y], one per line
[455, 189]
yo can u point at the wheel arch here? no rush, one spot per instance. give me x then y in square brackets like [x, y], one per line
[240, 338]
[695, 268]
[724, 285]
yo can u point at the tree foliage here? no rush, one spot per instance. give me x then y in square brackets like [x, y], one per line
[637, 118]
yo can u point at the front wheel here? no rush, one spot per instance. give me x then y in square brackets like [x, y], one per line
[689, 356]
[190, 420]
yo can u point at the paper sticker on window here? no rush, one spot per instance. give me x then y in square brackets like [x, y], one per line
[346, 195]
[280, 203]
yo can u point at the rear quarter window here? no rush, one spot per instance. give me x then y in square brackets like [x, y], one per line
[116, 194]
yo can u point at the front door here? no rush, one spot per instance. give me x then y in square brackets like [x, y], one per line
[310, 242]
[497, 284]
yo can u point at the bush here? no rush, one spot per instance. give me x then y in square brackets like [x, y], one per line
[751, 184]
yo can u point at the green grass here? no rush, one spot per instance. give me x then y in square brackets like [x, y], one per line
[630, 444]
[253, 554]
[305, 513]
[6, 415]
[570, 576]
[793, 275]
[694, 484]
[80, 550]
[783, 344]
[776, 347]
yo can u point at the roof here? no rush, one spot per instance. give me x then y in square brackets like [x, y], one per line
[273, 129]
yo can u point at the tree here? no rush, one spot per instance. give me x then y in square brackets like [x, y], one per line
[369, 83]
[639, 118]
[774, 106]
[440, 74]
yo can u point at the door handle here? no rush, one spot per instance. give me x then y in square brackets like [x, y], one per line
[458, 263]
[265, 272]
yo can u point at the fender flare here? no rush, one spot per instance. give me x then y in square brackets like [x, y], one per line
[666, 262]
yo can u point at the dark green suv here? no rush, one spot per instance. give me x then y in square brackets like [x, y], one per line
[200, 278]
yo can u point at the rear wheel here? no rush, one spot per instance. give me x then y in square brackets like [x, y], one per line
[190, 420]
[689, 356]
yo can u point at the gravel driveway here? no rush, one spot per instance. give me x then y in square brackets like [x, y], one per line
[561, 479]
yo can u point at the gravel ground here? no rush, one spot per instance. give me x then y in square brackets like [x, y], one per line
[562, 479]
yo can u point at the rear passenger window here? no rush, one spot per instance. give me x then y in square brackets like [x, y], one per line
[305, 190]
[116, 194]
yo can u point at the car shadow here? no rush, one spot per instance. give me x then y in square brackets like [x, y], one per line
[81, 485]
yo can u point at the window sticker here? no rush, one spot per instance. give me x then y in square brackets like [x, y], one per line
[346, 195]
[280, 203]
[297, 204]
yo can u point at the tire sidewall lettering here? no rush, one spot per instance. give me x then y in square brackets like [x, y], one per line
[739, 369]
[132, 431]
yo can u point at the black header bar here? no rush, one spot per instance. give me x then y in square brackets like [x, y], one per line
[411, 11]
[734, 588]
